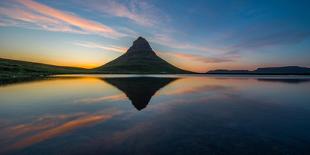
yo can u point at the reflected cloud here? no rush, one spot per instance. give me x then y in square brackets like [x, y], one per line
[41, 123]
[197, 89]
[116, 97]
[195, 107]
[62, 129]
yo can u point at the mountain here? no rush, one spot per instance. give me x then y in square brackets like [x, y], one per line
[139, 58]
[21, 69]
[283, 70]
[286, 70]
[139, 90]
[225, 71]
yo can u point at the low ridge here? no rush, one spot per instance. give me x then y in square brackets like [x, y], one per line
[139, 58]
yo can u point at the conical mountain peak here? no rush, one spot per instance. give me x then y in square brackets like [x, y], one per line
[139, 58]
[140, 45]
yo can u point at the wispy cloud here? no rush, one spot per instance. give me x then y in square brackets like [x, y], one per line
[273, 39]
[197, 58]
[167, 40]
[116, 97]
[196, 63]
[112, 48]
[264, 37]
[140, 12]
[58, 129]
[145, 14]
[25, 12]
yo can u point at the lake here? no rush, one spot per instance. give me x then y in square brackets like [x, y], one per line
[156, 114]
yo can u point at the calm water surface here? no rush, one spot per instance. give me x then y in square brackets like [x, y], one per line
[120, 114]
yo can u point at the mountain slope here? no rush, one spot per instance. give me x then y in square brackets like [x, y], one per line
[139, 58]
[16, 68]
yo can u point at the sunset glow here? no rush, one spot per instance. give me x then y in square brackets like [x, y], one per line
[193, 36]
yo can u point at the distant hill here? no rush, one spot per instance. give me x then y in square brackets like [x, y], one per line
[18, 69]
[139, 58]
[286, 70]
[225, 71]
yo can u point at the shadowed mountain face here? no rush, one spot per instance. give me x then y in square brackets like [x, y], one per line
[139, 90]
[139, 58]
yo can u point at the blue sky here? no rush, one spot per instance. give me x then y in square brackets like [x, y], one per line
[197, 35]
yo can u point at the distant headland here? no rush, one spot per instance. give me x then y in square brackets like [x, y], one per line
[286, 70]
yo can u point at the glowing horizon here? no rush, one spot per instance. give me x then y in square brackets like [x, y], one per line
[194, 36]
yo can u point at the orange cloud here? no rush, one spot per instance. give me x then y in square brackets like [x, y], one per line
[42, 123]
[104, 98]
[193, 57]
[66, 127]
[193, 62]
[51, 19]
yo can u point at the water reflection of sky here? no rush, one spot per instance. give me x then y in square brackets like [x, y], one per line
[186, 115]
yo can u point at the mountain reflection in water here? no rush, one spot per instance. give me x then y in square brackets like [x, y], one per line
[98, 114]
[139, 90]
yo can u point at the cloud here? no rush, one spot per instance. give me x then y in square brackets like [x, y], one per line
[139, 12]
[112, 48]
[196, 63]
[197, 58]
[167, 40]
[26, 12]
[272, 39]
[25, 18]
[145, 14]
[265, 36]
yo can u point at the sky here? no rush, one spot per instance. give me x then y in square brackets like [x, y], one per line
[197, 35]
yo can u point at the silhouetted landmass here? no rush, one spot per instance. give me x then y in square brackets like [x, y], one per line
[15, 69]
[224, 71]
[286, 70]
[139, 90]
[283, 70]
[139, 58]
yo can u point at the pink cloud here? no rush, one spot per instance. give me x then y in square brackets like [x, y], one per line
[30, 12]
[198, 63]
[116, 97]
[196, 58]
[54, 129]
[22, 18]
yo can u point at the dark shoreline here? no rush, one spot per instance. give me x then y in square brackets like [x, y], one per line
[256, 73]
